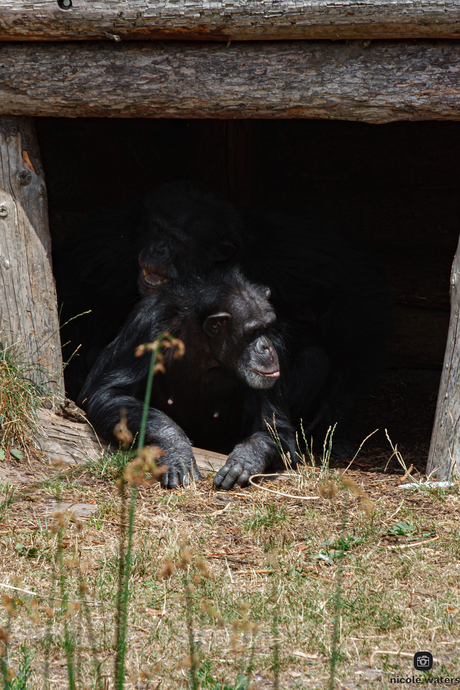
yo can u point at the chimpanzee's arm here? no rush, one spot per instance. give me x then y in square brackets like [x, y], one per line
[117, 381]
[260, 452]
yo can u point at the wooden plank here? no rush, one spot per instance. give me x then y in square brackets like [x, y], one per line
[224, 20]
[381, 82]
[444, 456]
[28, 306]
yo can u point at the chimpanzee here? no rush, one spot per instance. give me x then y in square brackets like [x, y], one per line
[220, 393]
[325, 290]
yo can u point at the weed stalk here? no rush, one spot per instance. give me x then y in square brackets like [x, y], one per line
[125, 561]
[337, 601]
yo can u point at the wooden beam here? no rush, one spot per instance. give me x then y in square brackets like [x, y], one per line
[380, 82]
[224, 20]
[28, 306]
[444, 456]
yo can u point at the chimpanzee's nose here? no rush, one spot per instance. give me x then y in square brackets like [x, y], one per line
[160, 252]
[264, 346]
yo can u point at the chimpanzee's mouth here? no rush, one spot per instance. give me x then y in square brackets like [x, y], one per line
[151, 279]
[267, 374]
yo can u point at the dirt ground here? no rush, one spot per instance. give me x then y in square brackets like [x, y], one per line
[264, 572]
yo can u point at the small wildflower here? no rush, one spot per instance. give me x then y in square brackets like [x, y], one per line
[166, 570]
[207, 607]
[143, 470]
[159, 368]
[34, 617]
[367, 506]
[328, 489]
[78, 523]
[74, 606]
[246, 626]
[186, 553]
[72, 563]
[351, 485]
[8, 603]
[121, 431]
[203, 567]
[187, 662]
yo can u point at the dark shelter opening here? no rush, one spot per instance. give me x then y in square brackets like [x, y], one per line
[392, 187]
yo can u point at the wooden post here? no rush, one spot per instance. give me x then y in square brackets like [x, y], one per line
[28, 305]
[444, 457]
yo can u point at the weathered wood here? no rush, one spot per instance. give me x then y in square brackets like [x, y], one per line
[28, 307]
[381, 82]
[444, 456]
[228, 19]
[72, 440]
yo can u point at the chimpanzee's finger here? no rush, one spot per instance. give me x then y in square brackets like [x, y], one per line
[164, 480]
[173, 479]
[218, 479]
[222, 475]
[243, 479]
[231, 476]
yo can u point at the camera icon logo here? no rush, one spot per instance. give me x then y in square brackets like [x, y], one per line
[423, 661]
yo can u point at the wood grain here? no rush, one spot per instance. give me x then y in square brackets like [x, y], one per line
[224, 20]
[444, 456]
[28, 306]
[381, 82]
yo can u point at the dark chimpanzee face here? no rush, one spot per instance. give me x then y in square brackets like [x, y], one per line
[185, 230]
[239, 338]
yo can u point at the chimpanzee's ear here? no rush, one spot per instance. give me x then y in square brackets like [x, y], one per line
[216, 323]
[224, 251]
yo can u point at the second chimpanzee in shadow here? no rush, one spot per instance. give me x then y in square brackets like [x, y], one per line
[221, 393]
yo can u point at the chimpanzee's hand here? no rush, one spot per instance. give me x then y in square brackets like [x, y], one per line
[178, 475]
[178, 455]
[246, 459]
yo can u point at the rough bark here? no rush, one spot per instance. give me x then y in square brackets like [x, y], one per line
[28, 306]
[229, 19]
[444, 457]
[380, 82]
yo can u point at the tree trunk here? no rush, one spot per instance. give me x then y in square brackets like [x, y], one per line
[224, 20]
[381, 82]
[444, 457]
[28, 306]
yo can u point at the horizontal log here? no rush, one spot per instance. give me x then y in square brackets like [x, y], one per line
[228, 19]
[381, 82]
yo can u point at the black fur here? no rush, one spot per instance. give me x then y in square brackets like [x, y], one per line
[328, 293]
[220, 393]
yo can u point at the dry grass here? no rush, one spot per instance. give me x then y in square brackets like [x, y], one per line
[20, 397]
[265, 556]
